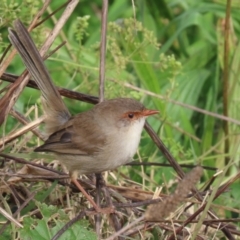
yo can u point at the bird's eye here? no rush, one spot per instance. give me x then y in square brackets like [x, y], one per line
[130, 115]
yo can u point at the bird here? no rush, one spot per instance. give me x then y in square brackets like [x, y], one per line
[100, 139]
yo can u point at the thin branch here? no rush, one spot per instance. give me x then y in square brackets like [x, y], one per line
[63, 91]
[124, 229]
[103, 50]
[164, 150]
[101, 98]
[68, 225]
[53, 13]
[28, 127]
[225, 77]
[21, 118]
[188, 106]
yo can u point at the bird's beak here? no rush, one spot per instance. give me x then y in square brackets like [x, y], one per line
[148, 112]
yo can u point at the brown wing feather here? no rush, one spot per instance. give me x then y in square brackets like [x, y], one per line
[81, 135]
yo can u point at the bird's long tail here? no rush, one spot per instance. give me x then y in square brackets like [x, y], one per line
[54, 107]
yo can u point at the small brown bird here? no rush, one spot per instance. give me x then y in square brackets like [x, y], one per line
[103, 138]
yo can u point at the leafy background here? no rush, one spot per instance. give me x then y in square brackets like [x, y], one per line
[169, 50]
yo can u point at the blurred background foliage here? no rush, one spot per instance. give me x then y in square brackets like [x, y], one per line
[169, 49]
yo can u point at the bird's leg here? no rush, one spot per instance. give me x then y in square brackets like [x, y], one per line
[101, 187]
[97, 217]
[99, 181]
[82, 190]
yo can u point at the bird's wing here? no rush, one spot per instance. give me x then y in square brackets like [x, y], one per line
[81, 135]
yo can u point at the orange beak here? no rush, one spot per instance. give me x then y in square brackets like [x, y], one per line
[148, 112]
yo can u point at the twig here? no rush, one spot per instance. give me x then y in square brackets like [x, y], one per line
[101, 98]
[10, 218]
[164, 150]
[34, 176]
[57, 28]
[103, 50]
[167, 165]
[23, 161]
[54, 50]
[115, 221]
[196, 109]
[5, 53]
[62, 34]
[124, 229]
[19, 132]
[53, 12]
[21, 118]
[225, 78]
[68, 225]
[63, 91]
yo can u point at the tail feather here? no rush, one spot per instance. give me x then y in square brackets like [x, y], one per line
[55, 109]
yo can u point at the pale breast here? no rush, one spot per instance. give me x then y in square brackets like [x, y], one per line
[122, 146]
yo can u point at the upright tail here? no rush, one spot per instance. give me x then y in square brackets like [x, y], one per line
[55, 109]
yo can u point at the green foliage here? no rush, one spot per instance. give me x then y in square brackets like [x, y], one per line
[52, 220]
[10, 10]
[80, 28]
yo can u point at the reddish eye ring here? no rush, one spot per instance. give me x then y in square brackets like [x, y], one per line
[130, 115]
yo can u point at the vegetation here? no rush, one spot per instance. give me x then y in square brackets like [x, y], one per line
[170, 55]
